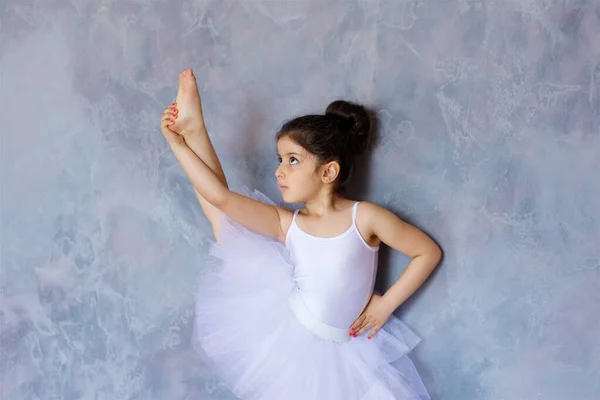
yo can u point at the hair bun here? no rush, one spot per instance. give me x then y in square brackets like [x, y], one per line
[358, 119]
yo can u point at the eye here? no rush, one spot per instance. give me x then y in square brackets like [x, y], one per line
[279, 160]
[293, 160]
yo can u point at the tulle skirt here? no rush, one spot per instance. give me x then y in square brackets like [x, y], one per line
[245, 326]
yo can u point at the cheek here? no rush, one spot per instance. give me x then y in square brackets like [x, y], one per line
[304, 177]
[308, 182]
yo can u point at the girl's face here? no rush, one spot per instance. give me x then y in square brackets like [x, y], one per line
[298, 172]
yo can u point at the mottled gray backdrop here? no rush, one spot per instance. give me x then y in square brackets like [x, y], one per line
[489, 141]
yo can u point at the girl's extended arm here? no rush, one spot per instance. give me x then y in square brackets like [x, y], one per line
[199, 142]
[254, 215]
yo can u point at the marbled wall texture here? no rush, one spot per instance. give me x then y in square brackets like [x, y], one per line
[489, 141]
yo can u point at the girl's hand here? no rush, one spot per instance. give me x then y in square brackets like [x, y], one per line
[168, 119]
[375, 315]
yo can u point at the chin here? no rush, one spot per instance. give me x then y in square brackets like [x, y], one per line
[285, 198]
[289, 198]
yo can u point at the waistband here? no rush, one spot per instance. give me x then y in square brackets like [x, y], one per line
[310, 322]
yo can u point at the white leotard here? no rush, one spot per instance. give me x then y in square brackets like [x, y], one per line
[334, 278]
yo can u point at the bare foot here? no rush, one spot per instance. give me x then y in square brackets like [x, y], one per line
[189, 105]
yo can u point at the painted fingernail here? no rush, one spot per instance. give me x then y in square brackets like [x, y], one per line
[369, 338]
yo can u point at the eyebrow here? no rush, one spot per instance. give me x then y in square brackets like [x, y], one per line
[291, 153]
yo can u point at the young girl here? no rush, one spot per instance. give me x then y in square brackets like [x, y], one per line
[289, 311]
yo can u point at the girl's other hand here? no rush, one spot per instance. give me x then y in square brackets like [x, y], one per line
[374, 316]
[168, 119]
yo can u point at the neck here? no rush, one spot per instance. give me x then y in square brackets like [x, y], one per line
[324, 202]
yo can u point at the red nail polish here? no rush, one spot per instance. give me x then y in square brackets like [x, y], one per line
[369, 338]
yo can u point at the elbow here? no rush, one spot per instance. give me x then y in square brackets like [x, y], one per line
[219, 202]
[220, 199]
[430, 256]
[437, 254]
[433, 254]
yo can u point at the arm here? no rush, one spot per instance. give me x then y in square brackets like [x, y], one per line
[199, 142]
[254, 215]
[383, 225]
[406, 239]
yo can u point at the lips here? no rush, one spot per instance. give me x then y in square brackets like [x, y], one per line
[282, 187]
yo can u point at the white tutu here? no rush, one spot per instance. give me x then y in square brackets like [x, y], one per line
[245, 326]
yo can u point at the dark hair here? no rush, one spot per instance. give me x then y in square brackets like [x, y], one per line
[341, 134]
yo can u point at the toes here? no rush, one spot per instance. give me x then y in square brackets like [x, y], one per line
[187, 74]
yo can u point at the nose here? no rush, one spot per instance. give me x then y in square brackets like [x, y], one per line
[279, 172]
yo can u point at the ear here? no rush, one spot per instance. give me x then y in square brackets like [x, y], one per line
[330, 171]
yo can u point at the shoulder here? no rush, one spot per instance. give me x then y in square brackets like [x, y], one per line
[369, 211]
[390, 229]
[369, 219]
[372, 217]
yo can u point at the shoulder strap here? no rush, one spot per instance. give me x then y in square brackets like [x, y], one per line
[354, 208]
[291, 228]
